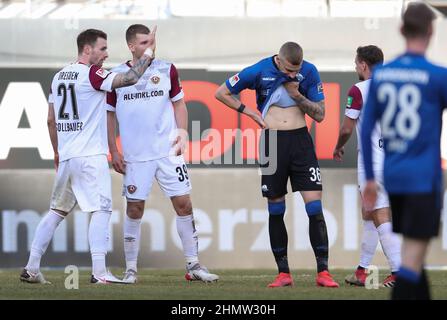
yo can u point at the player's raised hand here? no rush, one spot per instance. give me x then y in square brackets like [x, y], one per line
[152, 39]
[118, 163]
[292, 89]
[370, 195]
[338, 154]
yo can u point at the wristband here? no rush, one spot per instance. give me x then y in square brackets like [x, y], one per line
[241, 108]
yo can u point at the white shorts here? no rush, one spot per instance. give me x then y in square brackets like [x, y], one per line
[382, 196]
[170, 172]
[83, 180]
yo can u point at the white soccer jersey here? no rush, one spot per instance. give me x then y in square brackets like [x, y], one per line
[145, 112]
[357, 96]
[78, 97]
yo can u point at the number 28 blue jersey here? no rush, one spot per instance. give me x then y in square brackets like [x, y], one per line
[407, 96]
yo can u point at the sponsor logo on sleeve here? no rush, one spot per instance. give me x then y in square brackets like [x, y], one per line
[349, 102]
[320, 88]
[234, 79]
[102, 73]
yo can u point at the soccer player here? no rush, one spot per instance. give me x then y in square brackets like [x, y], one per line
[376, 223]
[408, 96]
[287, 87]
[153, 122]
[78, 131]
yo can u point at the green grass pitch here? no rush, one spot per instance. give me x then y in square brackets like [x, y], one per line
[157, 284]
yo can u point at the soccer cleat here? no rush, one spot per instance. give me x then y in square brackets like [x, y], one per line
[108, 278]
[390, 281]
[358, 278]
[324, 279]
[130, 277]
[30, 277]
[282, 280]
[199, 272]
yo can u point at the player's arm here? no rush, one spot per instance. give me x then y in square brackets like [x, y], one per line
[243, 80]
[132, 76]
[369, 120]
[315, 110]
[313, 103]
[117, 158]
[346, 130]
[51, 122]
[181, 118]
[352, 112]
[118, 163]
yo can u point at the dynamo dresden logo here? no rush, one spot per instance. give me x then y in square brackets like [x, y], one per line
[131, 188]
[155, 79]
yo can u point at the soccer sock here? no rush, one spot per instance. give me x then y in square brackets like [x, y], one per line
[407, 282]
[187, 231]
[131, 231]
[318, 234]
[390, 244]
[278, 234]
[98, 235]
[42, 237]
[370, 239]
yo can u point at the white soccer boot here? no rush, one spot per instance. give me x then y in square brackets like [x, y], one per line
[108, 278]
[199, 272]
[31, 277]
[130, 277]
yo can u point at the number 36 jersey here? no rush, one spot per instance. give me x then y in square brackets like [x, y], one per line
[78, 95]
[407, 96]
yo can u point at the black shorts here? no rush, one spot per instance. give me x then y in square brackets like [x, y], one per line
[294, 157]
[416, 215]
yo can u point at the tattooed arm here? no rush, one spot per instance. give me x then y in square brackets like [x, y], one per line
[315, 110]
[135, 72]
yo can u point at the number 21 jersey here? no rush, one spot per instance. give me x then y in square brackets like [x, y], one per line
[78, 95]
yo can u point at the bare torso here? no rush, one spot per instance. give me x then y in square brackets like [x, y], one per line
[290, 118]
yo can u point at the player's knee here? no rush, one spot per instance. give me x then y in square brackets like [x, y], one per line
[183, 207]
[135, 210]
[314, 208]
[277, 208]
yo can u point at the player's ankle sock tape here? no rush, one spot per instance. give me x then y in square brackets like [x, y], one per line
[319, 240]
[283, 264]
[278, 241]
[409, 275]
[314, 208]
[277, 208]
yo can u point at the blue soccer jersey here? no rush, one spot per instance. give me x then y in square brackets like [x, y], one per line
[407, 96]
[265, 78]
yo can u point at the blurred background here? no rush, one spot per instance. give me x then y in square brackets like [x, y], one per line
[208, 41]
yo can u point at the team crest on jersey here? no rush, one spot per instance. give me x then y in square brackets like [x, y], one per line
[234, 79]
[155, 79]
[131, 188]
[102, 73]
